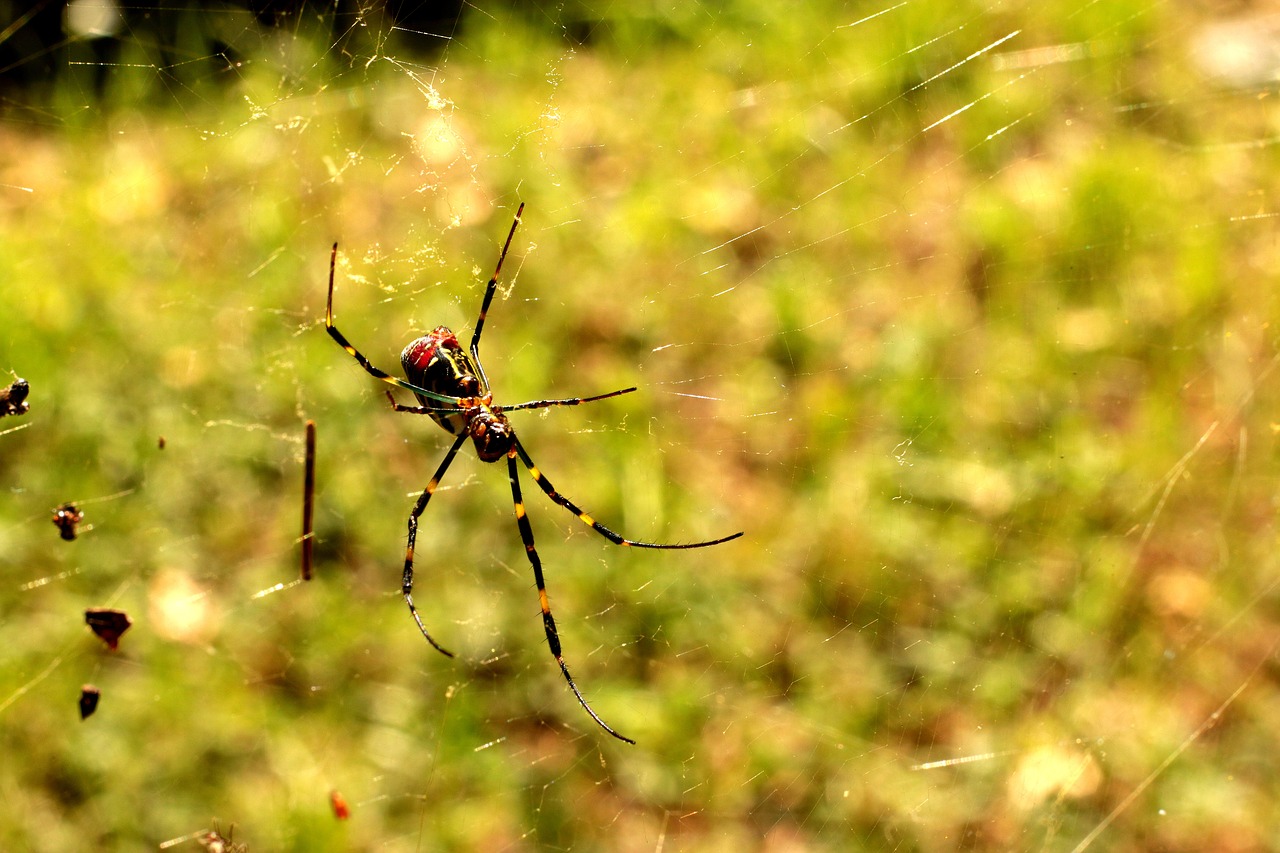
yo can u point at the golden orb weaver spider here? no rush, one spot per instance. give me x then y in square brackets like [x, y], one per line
[454, 392]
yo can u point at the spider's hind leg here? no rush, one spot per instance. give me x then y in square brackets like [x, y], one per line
[406, 583]
[548, 622]
[615, 538]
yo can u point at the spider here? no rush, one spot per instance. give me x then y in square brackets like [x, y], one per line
[454, 392]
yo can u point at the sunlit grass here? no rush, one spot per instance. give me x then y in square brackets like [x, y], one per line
[993, 397]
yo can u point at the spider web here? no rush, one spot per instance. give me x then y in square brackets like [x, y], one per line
[964, 314]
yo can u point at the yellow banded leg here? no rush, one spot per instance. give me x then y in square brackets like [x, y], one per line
[548, 622]
[406, 583]
[368, 366]
[615, 538]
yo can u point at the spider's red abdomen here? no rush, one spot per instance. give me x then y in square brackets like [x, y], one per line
[438, 363]
[419, 354]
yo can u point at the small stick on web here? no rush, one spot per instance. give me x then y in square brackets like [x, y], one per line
[308, 500]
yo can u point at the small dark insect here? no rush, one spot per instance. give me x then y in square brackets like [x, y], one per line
[89, 696]
[214, 842]
[454, 392]
[68, 518]
[108, 624]
[339, 804]
[160, 443]
[13, 399]
[308, 500]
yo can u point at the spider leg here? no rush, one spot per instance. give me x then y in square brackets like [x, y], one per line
[406, 584]
[419, 410]
[489, 290]
[375, 372]
[536, 404]
[548, 623]
[615, 538]
[575, 401]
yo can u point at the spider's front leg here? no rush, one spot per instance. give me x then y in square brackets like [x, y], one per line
[369, 367]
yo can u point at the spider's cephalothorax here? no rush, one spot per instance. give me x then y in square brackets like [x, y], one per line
[450, 384]
[438, 363]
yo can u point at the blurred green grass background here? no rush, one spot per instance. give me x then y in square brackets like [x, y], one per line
[972, 334]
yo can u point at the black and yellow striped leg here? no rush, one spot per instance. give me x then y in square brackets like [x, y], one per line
[368, 366]
[406, 584]
[615, 538]
[548, 623]
[575, 401]
[489, 290]
[416, 410]
[536, 404]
